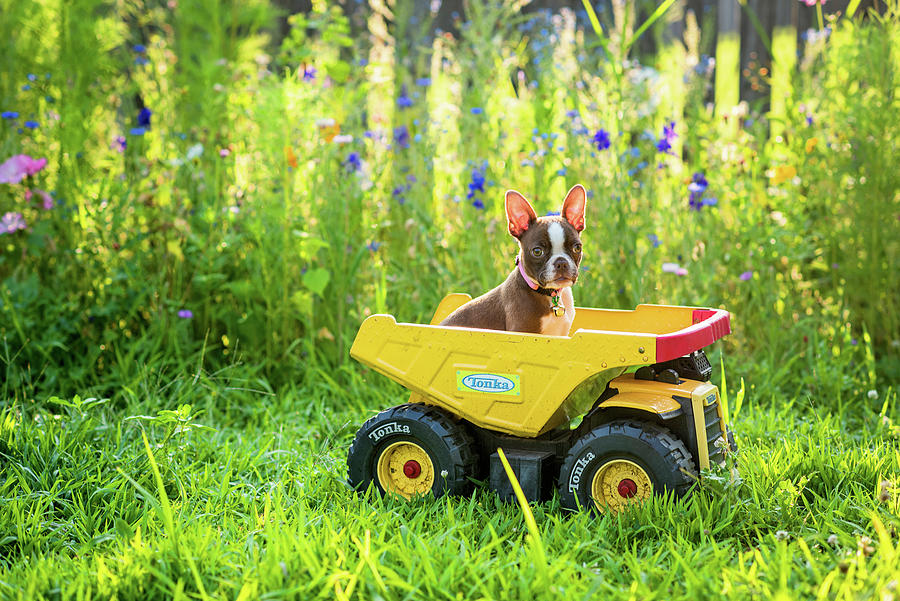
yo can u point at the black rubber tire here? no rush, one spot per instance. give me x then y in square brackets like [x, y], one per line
[445, 440]
[660, 453]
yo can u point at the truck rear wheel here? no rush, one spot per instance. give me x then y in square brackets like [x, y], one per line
[624, 462]
[412, 450]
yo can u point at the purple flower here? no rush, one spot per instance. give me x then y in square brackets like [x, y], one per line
[746, 276]
[572, 114]
[668, 136]
[373, 246]
[32, 124]
[9, 115]
[601, 139]
[353, 162]
[401, 136]
[120, 144]
[309, 73]
[185, 314]
[18, 167]
[143, 118]
[423, 81]
[654, 240]
[12, 222]
[398, 193]
[696, 188]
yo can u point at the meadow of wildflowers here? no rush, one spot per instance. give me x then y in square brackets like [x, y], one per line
[195, 218]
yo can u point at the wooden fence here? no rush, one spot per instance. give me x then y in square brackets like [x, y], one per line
[744, 31]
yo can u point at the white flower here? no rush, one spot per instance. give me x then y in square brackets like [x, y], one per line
[872, 394]
[325, 123]
[670, 267]
[343, 139]
[194, 151]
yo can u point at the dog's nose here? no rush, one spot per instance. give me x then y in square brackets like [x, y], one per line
[561, 263]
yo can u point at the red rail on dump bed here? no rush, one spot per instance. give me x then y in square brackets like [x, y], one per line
[709, 325]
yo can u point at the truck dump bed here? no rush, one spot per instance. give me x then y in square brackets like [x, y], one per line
[528, 383]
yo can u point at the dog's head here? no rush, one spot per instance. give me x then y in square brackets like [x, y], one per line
[550, 247]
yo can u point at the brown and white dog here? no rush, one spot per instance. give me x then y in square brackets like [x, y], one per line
[536, 297]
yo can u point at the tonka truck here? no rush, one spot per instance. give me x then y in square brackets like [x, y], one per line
[643, 432]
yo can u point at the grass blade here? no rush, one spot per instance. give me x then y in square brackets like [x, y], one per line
[660, 11]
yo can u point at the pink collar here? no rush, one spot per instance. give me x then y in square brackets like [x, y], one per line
[531, 283]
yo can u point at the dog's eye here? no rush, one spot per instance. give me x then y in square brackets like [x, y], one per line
[537, 251]
[576, 248]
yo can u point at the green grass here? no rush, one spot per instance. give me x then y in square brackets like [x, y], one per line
[258, 507]
[148, 455]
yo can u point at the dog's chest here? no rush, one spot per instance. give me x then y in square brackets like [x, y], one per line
[551, 325]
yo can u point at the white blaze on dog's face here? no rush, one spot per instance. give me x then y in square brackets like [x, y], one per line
[550, 246]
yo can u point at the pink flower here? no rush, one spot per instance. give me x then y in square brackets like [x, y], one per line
[16, 168]
[813, 2]
[47, 200]
[12, 222]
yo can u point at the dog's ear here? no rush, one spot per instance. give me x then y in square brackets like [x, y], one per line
[519, 213]
[573, 207]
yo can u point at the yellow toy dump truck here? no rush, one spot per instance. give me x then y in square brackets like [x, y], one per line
[474, 391]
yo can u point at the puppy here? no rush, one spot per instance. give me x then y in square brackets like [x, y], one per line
[536, 297]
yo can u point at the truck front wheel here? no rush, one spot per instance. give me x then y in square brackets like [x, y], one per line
[624, 462]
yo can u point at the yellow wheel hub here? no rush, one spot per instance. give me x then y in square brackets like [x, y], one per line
[405, 469]
[619, 483]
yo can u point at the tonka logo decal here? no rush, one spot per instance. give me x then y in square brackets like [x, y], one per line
[388, 428]
[575, 476]
[507, 384]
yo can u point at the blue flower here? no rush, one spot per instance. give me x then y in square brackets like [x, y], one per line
[601, 139]
[31, 124]
[477, 183]
[143, 118]
[669, 135]
[423, 81]
[476, 110]
[654, 240]
[9, 115]
[353, 161]
[404, 101]
[141, 61]
[401, 136]
[572, 114]
[561, 172]
[32, 77]
[26, 87]
[137, 131]
[309, 73]
[478, 204]
[373, 246]
[139, 48]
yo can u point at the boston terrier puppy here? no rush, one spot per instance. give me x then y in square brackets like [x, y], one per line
[536, 297]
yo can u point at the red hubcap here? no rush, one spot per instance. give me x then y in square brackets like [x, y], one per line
[627, 488]
[412, 469]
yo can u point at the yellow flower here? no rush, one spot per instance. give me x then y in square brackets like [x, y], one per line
[783, 173]
[811, 144]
